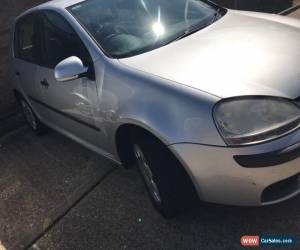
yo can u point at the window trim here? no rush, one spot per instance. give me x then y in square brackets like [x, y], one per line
[87, 32]
[16, 36]
[91, 75]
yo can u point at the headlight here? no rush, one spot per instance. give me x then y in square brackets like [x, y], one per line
[250, 120]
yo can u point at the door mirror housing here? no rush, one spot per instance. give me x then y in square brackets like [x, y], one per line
[69, 69]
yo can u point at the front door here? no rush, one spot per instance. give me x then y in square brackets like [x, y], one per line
[69, 105]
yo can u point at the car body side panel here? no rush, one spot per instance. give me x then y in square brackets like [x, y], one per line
[171, 112]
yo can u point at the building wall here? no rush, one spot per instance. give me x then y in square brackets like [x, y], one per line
[11, 8]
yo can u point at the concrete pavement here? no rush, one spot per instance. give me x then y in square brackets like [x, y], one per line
[118, 215]
[56, 194]
[40, 179]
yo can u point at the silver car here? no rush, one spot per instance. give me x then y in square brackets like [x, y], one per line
[205, 100]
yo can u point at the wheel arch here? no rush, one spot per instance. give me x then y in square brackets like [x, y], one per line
[124, 135]
[123, 139]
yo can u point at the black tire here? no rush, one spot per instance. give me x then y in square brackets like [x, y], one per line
[32, 120]
[176, 191]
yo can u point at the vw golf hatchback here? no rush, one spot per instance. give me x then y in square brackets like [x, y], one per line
[205, 100]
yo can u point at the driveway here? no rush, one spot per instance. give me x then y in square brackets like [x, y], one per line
[41, 178]
[56, 194]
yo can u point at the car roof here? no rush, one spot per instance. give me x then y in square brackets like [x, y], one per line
[54, 4]
[60, 3]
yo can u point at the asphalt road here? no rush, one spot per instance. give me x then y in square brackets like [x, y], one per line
[56, 194]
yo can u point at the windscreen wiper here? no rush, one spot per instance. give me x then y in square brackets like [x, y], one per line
[188, 32]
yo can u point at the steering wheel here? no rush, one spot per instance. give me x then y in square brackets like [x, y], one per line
[109, 37]
[117, 30]
[120, 29]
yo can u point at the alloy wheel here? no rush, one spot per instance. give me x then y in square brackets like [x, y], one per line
[30, 117]
[147, 174]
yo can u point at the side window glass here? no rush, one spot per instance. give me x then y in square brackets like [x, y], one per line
[26, 39]
[61, 41]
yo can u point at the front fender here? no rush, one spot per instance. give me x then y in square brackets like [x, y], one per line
[172, 112]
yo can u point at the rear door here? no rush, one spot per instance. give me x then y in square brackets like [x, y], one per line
[69, 105]
[27, 53]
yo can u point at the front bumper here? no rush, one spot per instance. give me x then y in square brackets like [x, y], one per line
[230, 176]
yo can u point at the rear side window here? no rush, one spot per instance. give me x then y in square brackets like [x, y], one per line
[61, 41]
[26, 42]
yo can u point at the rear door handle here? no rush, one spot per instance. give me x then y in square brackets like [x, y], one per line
[45, 83]
[18, 73]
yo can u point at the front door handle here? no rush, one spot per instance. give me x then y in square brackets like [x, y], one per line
[45, 83]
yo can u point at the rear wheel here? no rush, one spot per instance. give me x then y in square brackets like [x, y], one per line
[35, 124]
[166, 181]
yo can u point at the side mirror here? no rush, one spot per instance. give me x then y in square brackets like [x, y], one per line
[69, 69]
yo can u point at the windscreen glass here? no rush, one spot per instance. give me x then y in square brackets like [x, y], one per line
[125, 28]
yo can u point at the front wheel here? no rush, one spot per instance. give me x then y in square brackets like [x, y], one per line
[168, 185]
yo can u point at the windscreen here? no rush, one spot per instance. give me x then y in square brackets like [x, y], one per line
[124, 28]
